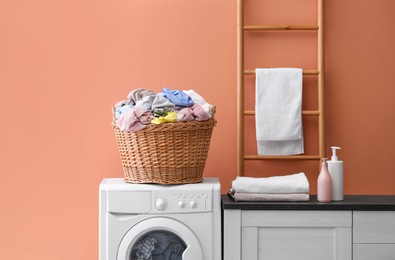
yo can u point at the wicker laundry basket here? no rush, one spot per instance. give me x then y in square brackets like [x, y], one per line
[169, 153]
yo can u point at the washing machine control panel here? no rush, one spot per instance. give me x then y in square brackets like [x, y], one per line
[181, 201]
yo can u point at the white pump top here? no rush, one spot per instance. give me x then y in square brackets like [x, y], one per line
[334, 157]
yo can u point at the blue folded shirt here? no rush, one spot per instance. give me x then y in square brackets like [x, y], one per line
[178, 98]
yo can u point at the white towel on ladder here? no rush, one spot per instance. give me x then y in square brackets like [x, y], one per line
[278, 108]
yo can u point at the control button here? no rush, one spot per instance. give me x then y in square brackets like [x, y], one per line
[190, 196]
[181, 204]
[161, 204]
[176, 195]
[204, 196]
[193, 204]
[197, 196]
[183, 196]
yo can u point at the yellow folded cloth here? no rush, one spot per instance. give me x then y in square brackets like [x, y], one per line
[170, 117]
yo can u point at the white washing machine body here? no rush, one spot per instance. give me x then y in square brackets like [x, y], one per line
[148, 221]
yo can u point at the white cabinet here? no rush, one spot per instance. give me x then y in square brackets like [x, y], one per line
[292, 234]
[362, 227]
[374, 227]
[374, 252]
[373, 235]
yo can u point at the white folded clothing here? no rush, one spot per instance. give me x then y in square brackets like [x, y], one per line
[241, 196]
[294, 183]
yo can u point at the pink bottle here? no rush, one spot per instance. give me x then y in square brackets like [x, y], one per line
[324, 183]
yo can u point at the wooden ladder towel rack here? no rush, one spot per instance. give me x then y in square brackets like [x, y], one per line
[242, 72]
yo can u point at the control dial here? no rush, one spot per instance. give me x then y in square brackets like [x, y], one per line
[181, 204]
[161, 204]
[193, 204]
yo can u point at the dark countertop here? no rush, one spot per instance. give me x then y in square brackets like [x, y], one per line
[350, 202]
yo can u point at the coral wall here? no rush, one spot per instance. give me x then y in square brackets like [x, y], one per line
[63, 64]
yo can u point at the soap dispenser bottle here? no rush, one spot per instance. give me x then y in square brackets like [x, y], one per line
[335, 168]
[324, 183]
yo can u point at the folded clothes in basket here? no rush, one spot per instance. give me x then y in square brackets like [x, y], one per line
[195, 112]
[144, 107]
[197, 99]
[137, 94]
[178, 97]
[134, 120]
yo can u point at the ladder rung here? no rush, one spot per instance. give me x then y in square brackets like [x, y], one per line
[282, 157]
[281, 27]
[305, 72]
[305, 113]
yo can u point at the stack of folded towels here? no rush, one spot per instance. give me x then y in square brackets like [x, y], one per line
[294, 187]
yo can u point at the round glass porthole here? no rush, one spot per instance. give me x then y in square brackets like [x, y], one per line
[158, 245]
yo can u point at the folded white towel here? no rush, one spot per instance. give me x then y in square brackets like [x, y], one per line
[294, 183]
[278, 107]
[241, 196]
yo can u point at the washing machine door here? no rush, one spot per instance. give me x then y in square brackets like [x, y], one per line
[160, 239]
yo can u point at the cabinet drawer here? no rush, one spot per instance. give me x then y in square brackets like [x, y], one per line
[374, 251]
[374, 227]
[295, 218]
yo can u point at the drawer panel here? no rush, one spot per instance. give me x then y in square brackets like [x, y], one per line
[374, 252]
[374, 227]
[295, 218]
[295, 243]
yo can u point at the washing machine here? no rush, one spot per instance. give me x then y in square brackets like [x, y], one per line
[159, 222]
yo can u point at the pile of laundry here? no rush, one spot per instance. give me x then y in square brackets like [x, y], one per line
[294, 187]
[144, 107]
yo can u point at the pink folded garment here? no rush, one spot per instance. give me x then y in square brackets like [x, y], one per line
[134, 120]
[241, 196]
[195, 112]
